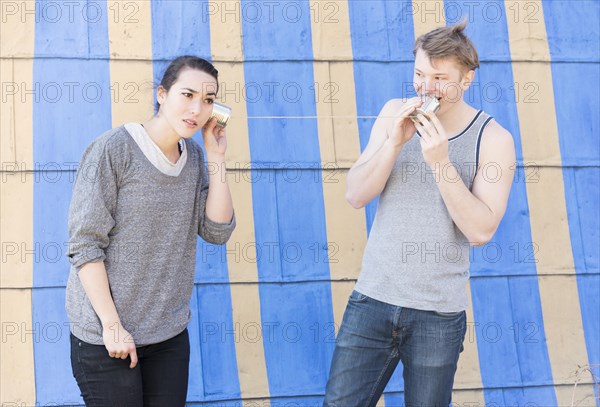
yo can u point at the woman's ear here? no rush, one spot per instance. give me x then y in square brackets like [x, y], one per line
[161, 94]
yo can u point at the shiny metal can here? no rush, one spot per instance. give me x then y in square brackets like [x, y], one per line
[430, 105]
[222, 113]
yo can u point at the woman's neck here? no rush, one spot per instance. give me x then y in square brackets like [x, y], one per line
[164, 137]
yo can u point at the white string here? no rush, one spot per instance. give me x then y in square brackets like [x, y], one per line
[316, 117]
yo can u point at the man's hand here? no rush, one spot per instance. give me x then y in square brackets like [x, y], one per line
[434, 140]
[403, 128]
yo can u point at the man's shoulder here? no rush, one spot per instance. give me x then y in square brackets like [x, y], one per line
[495, 135]
[497, 143]
[395, 103]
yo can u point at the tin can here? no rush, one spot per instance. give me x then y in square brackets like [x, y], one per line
[222, 113]
[430, 105]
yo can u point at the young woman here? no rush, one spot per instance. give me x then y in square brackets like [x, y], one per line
[141, 197]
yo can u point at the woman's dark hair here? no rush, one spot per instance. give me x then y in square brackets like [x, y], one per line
[179, 64]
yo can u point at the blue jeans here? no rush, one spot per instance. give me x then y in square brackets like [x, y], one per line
[160, 379]
[375, 336]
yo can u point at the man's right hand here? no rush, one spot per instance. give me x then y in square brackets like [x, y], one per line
[402, 128]
[119, 343]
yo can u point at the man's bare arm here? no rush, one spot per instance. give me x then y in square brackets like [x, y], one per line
[478, 213]
[368, 176]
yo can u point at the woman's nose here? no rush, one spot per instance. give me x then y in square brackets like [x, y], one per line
[196, 107]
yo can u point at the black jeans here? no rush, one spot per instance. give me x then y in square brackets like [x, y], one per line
[160, 379]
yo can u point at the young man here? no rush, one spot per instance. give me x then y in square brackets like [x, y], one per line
[410, 299]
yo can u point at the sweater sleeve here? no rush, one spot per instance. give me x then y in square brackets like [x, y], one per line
[210, 231]
[92, 208]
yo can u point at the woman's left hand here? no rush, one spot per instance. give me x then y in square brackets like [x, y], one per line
[215, 140]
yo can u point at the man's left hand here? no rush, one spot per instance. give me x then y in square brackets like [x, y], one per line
[434, 140]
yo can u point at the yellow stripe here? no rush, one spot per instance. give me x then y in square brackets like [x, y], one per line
[467, 382]
[226, 47]
[331, 30]
[16, 202]
[16, 109]
[582, 395]
[548, 213]
[17, 368]
[338, 142]
[17, 186]
[245, 298]
[346, 228]
[231, 83]
[17, 29]
[427, 16]
[226, 50]
[468, 398]
[130, 44]
[334, 83]
[339, 145]
[225, 30]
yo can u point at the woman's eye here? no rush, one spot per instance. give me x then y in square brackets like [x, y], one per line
[187, 95]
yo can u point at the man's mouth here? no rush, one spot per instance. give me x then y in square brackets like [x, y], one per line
[429, 95]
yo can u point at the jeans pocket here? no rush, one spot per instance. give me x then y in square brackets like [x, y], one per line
[448, 314]
[355, 296]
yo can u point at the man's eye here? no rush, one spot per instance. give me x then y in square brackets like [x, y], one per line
[210, 101]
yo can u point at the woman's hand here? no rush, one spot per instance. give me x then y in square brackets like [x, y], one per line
[119, 343]
[215, 140]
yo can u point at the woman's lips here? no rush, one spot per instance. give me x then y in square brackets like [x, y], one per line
[190, 123]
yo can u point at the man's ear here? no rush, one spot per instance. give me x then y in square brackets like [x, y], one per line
[468, 79]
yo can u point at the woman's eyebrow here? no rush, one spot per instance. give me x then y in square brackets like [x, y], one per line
[195, 91]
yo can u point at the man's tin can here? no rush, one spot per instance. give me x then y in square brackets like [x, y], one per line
[430, 105]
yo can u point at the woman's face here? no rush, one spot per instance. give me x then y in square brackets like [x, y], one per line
[188, 104]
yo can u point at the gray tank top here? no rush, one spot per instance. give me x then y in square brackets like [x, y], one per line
[416, 257]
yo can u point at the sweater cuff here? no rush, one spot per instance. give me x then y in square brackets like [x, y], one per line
[80, 255]
[216, 232]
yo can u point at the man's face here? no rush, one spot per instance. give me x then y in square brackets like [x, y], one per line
[445, 80]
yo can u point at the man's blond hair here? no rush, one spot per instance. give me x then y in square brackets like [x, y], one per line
[449, 43]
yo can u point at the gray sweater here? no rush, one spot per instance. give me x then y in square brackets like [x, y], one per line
[143, 224]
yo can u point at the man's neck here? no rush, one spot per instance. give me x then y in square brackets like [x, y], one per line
[458, 118]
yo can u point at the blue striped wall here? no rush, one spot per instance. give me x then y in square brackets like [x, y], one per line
[289, 211]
